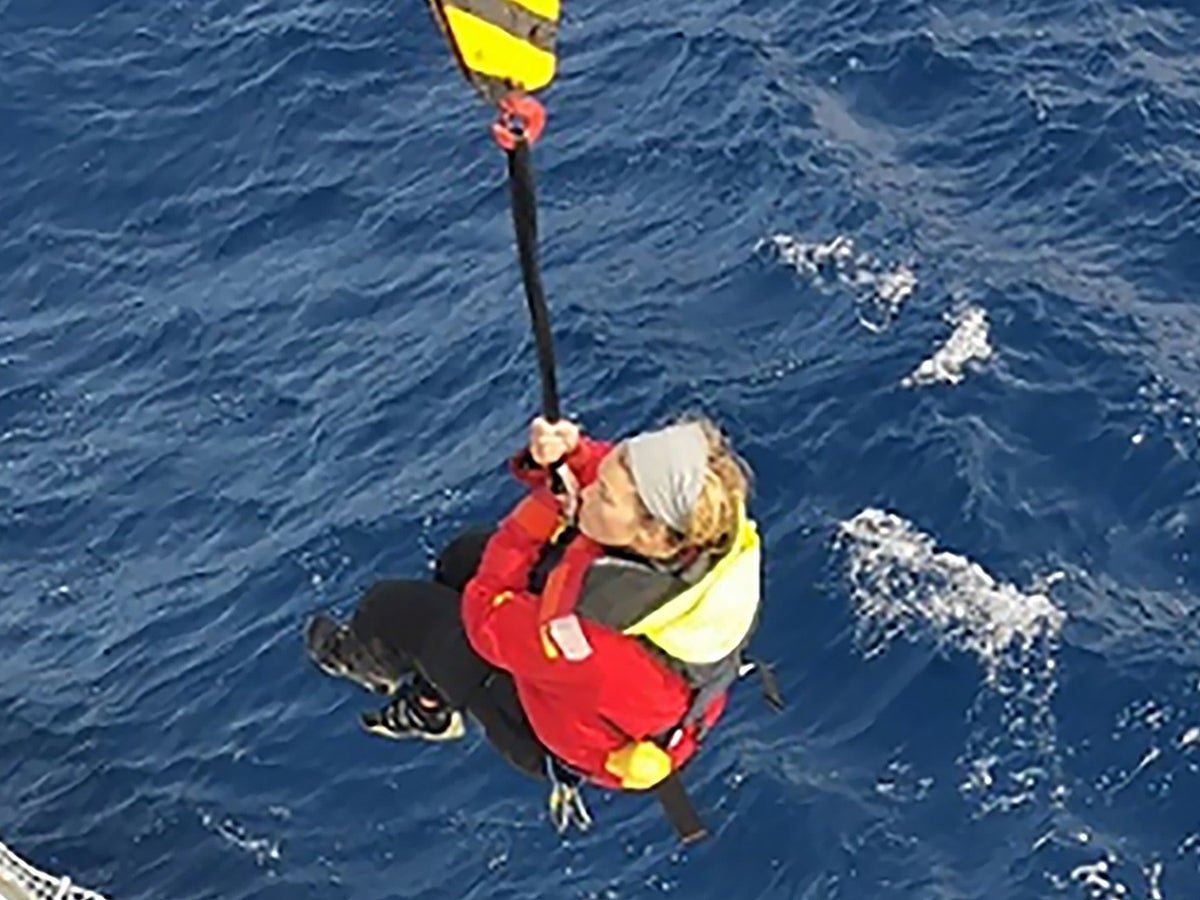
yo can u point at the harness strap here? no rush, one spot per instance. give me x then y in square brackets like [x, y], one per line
[672, 795]
[703, 698]
[565, 580]
[767, 681]
[678, 809]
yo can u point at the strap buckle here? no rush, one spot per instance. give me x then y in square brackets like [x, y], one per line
[566, 800]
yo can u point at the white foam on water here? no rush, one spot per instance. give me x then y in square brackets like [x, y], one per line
[1159, 730]
[1150, 741]
[1150, 757]
[1154, 874]
[1172, 414]
[1100, 880]
[264, 850]
[902, 584]
[880, 288]
[901, 784]
[969, 341]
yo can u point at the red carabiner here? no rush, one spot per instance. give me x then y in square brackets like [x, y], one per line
[521, 118]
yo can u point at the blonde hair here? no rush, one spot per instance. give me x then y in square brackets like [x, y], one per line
[713, 521]
[724, 494]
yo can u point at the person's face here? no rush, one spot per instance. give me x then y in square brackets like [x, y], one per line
[610, 512]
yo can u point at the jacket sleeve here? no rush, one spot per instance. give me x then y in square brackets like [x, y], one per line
[503, 628]
[513, 549]
[499, 615]
[583, 462]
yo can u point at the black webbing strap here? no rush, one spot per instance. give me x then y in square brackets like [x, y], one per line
[524, 210]
[678, 809]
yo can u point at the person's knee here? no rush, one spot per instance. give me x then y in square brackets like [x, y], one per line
[406, 617]
[457, 563]
[382, 601]
[391, 615]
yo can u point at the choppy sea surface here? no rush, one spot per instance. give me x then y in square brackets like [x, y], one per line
[262, 342]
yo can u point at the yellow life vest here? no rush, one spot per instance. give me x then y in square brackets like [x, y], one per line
[712, 618]
[704, 624]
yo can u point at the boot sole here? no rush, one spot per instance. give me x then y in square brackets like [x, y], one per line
[455, 730]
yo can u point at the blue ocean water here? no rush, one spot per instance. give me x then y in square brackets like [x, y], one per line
[263, 341]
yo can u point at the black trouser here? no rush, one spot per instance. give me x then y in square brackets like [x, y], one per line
[415, 626]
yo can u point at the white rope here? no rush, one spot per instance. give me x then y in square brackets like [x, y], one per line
[37, 885]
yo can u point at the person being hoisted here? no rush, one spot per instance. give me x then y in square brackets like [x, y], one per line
[594, 634]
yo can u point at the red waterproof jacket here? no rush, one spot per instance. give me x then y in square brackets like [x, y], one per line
[585, 711]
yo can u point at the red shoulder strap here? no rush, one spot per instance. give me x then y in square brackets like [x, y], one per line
[566, 579]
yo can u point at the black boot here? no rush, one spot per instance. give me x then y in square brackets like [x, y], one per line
[418, 711]
[338, 652]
